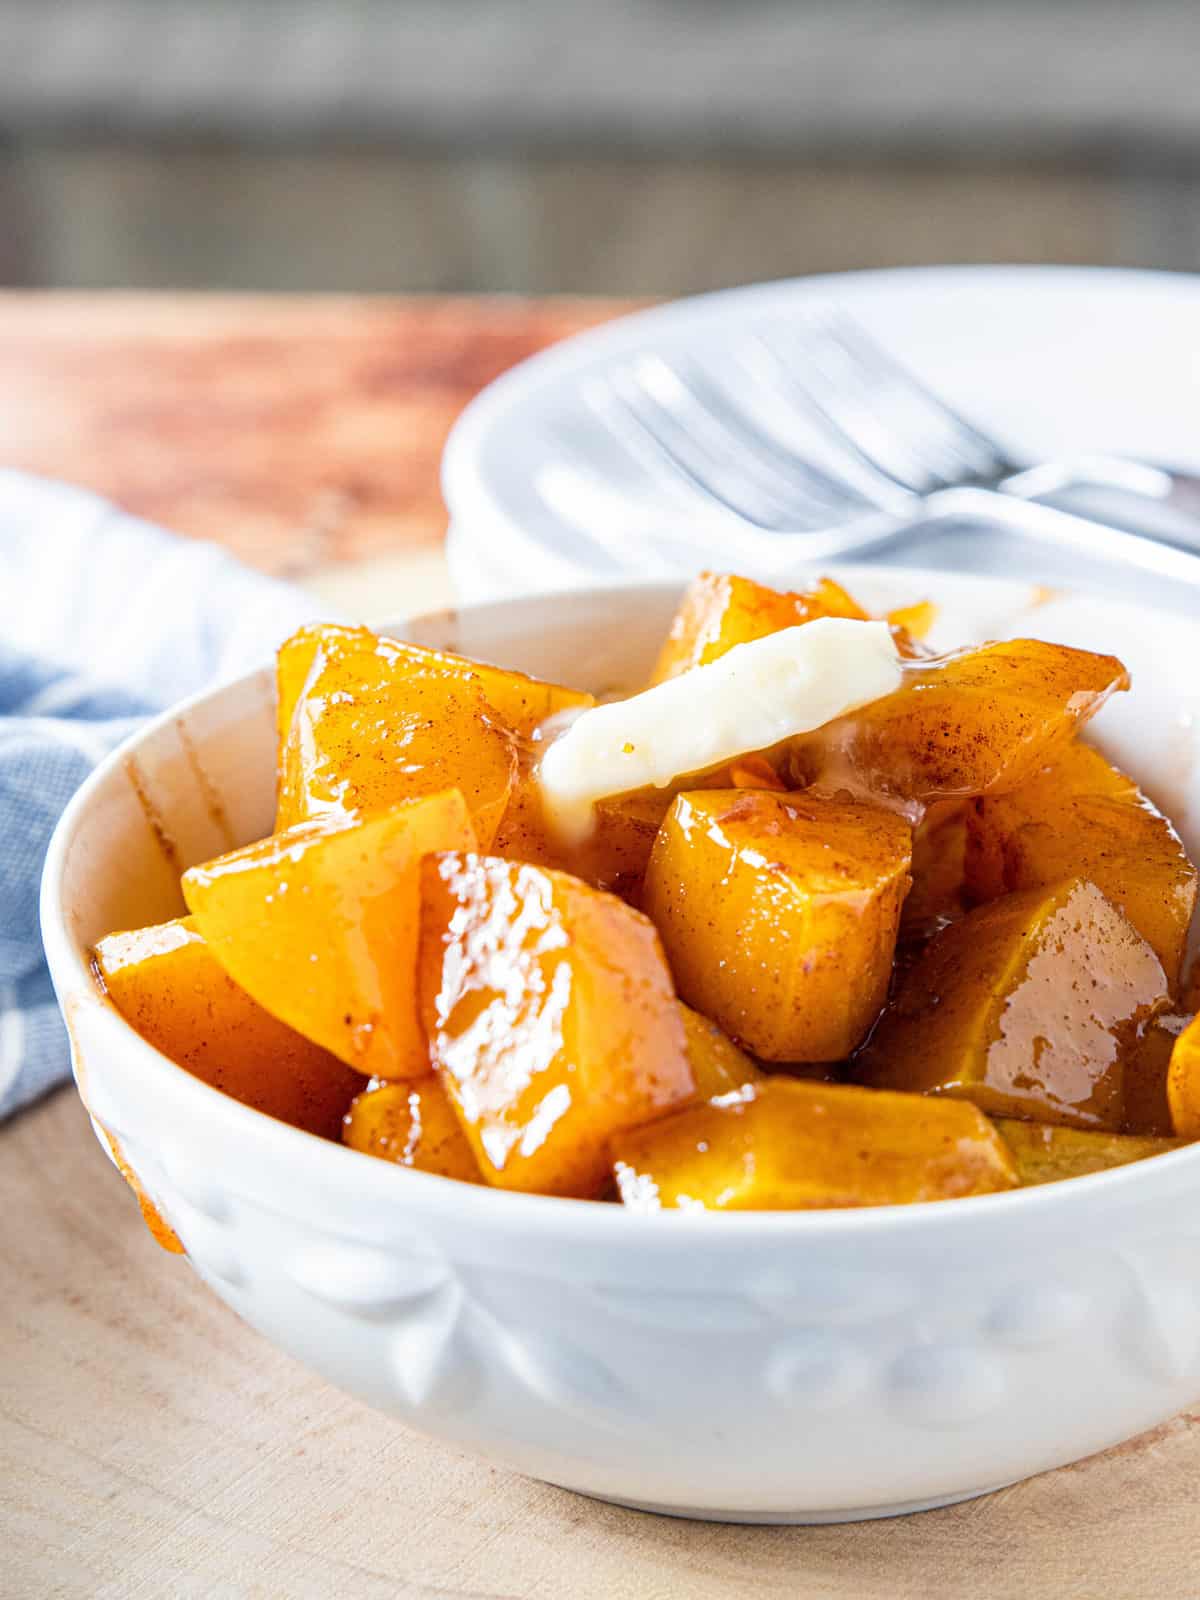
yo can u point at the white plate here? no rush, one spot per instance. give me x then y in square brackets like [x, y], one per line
[1053, 360]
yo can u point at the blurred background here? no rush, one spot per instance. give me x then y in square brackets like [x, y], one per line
[627, 147]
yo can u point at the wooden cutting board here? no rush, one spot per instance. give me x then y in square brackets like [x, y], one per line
[150, 1443]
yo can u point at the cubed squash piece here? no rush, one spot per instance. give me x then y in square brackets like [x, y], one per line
[720, 610]
[913, 622]
[979, 722]
[750, 772]
[1046, 1154]
[718, 1066]
[523, 702]
[1028, 1007]
[320, 924]
[779, 913]
[1147, 1066]
[378, 721]
[293, 663]
[1081, 817]
[166, 983]
[938, 870]
[1183, 1082]
[786, 1145]
[524, 834]
[550, 1017]
[624, 827]
[412, 1124]
[614, 853]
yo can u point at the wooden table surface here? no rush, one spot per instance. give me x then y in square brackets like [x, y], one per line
[150, 1444]
[303, 433]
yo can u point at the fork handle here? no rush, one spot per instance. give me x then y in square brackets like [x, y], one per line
[1097, 540]
[1179, 491]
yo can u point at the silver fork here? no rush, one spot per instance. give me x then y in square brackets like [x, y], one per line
[739, 441]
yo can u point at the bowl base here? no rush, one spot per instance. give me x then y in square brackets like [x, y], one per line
[902, 1508]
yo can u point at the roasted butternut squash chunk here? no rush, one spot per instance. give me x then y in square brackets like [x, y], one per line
[1183, 1082]
[377, 721]
[938, 870]
[369, 731]
[524, 834]
[320, 924]
[720, 610]
[612, 856]
[1046, 1154]
[615, 853]
[1147, 1064]
[523, 703]
[166, 983]
[718, 1066]
[624, 829]
[293, 663]
[785, 1145]
[550, 1017]
[980, 722]
[779, 913]
[914, 621]
[1028, 1007]
[412, 1124]
[750, 772]
[1080, 817]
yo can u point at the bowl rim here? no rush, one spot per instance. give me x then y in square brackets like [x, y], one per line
[75, 986]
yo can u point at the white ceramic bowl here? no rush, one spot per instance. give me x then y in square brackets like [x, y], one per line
[775, 1367]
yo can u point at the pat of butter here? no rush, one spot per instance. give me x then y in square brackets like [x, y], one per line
[749, 699]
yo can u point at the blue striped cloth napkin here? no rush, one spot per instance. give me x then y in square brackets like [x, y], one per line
[103, 620]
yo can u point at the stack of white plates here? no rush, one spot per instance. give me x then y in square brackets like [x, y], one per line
[1053, 361]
